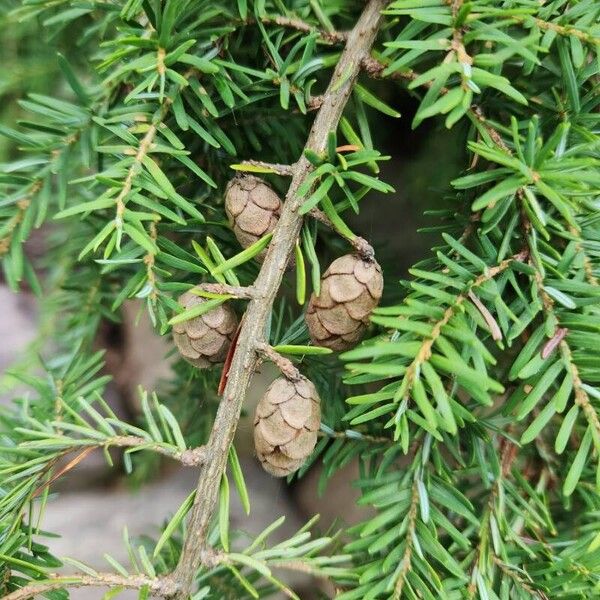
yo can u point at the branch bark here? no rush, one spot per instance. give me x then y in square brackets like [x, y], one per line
[252, 333]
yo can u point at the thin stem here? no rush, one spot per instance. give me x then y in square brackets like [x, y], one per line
[508, 453]
[331, 37]
[285, 170]
[426, 347]
[285, 365]
[159, 587]
[582, 398]
[242, 292]
[588, 267]
[510, 572]
[407, 556]
[135, 167]
[564, 30]
[268, 282]
[362, 247]
[190, 457]
[296, 565]
[356, 436]
[17, 218]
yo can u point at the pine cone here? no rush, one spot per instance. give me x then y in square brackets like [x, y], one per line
[350, 289]
[205, 340]
[253, 208]
[286, 423]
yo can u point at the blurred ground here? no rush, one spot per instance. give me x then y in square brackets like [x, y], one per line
[92, 520]
[17, 325]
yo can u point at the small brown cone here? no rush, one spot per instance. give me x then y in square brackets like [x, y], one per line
[252, 207]
[286, 424]
[350, 289]
[204, 340]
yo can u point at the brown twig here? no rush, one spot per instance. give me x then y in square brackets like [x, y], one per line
[17, 218]
[134, 169]
[241, 292]
[425, 350]
[582, 398]
[267, 284]
[375, 68]
[588, 267]
[318, 215]
[564, 30]
[285, 170]
[160, 587]
[190, 457]
[508, 454]
[285, 365]
[510, 572]
[145, 144]
[407, 556]
[331, 37]
[362, 247]
[358, 437]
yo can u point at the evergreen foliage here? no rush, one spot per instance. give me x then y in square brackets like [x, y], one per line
[473, 409]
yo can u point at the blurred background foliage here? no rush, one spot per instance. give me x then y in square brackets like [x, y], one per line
[451, 441]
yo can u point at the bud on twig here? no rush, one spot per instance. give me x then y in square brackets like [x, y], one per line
[204, 340]
[350, 289]
[286, 423]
